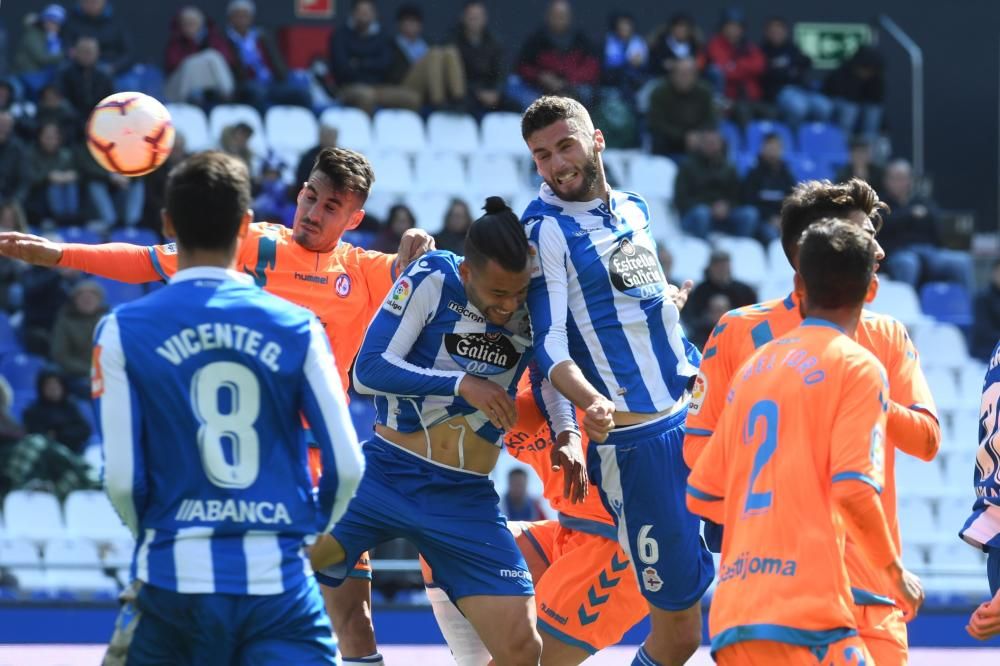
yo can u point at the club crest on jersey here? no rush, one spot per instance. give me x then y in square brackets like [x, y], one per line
[634, 270]
[698, 392]
[651, 580]
[400, 294]
[343, 285]
[482, 353]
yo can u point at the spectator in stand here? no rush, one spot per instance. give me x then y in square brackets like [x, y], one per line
[397, 223]
[707, 193]
[986, 325]
[41, 52]
[766, 185]
[13, 180]
[680, 108]
[262, 78]
[55, 416]
[482, 59]
[53, 177]
[115, 199]
[457, 221]
[327, 139]
[677, 40]
[517, 503]
[199, 61]
[700, 331]
[433, 72]
[556, 60]
[626, 57]
[739, 63]
[860, 164]
[73, 334]
[914, 251]
[45, 290]
[235, 140]
[11, 431]
[10, 100]
[11, 292]
[83, 83]
[272, 202]
[666, 263]
[53, 108]
[857, 88]
[786, 81]
[95, 18]
[718, 281]
[361, 59]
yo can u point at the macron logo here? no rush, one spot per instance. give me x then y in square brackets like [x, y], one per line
[242, 511]
[515, 573]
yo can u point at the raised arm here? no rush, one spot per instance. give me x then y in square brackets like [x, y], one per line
[118, 261]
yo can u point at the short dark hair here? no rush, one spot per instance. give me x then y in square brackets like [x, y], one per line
[409, 11]
[837, 263]
[551, 109]
[497, 235]
[348, 171]
[814, 200]
[517, 471]
[207, 196]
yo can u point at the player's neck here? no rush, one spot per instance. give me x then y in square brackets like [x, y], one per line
[845, 318]
[204, 258]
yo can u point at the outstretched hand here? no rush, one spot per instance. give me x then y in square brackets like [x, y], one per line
[30, 248]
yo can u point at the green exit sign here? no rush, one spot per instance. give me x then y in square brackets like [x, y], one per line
[829, 44]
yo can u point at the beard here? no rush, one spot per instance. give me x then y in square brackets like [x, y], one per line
[585, 190]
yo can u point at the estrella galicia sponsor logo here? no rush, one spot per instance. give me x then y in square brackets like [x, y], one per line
[464, 311]
[635, 271]
[343, 285]
[234, 511]
[315, 279]
[482, 353]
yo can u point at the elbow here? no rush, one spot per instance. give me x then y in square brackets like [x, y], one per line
[933, 443]
[369, 374]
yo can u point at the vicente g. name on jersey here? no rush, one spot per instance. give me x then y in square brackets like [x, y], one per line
[482, 353]
[635, 270]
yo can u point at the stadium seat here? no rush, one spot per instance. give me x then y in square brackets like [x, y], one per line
[224, 115]
[116, 293]
[399, 129]
[453, 133]
[618, 162]
[291, 130]
[958, 466]
[9, 344]
[354, 127]
[429, 209]
[956, 557]
[917, 478]
[653, 176]
[758, 129]
[898, 300]
[733, 136]
[22, 559]
[823, 142]
[501, 134]
[748, 259]
[774, 286]
[953, 510]
[690, 257]
[20, 371]
[394, 174]
[32, 515]
[942, 384]
[80, 235]
[662, 218]
[743, 163]
[806, 167]
[947, 302]
[190, 121]
[777, 263]
[964, 430]
[970, 381]
[135, 236]
[941, 345]
[118, 553]
[494, 175]
[441, 173]
[89, 515]
[916, 514]
[74, 564]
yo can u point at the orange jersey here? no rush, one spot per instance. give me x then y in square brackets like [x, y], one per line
[342, 287]
[530, 441]
[803, 413]
[740, 332]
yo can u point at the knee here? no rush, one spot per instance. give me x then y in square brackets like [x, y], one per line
[522, 648]
[354, 620]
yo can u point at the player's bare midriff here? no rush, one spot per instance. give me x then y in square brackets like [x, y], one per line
[623, 419]
[453, 443]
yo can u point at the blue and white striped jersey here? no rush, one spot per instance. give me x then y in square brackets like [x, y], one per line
[199, 390]
[983, 526]
[426, 337]
[598, 297]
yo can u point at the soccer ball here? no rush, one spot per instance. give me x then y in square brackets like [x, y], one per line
[130, 133]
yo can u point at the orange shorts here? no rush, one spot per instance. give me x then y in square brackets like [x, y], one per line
[588, 596]
[849, 651]
[363, 568]
[884, 632]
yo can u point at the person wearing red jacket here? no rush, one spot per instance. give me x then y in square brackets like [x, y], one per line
[740, 61]
[198, 59]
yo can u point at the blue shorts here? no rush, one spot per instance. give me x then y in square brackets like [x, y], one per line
[451, 516]
[993, 569]
[642, 479]
[174, 628]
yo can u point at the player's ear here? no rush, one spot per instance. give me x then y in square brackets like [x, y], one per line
[355, 220]
[599, 141]
[167, 225]
[245, 224]
[800, 287]
[463, 271]
[872, 289]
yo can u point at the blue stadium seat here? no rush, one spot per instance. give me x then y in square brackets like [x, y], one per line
[80, 235]
[9, 344]
[116, 293]
[743, 163]
[23, 398]
[823, 142]
[20, 371]
[134, 236]
[734, 138]
[947, 302]
[805, 167]
[758, 129]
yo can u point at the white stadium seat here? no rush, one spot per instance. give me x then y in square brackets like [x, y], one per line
[494, 175]
[501, 134]
[653, 175]
[118, 553]
[190, 121]
[224, 115]
[917, 478]
[453, 133]
[89, 514]
[748, 261]
[439, 173]
[618, 163]
[942, 385]
[941, 346]
[917, 521]
[399, 129]
[19, 553]
[898, 300]
[690, 257]
[32, 515]
[777, 263]
[74, 564]
[958, 466]
[354, 127]
[429, 209]
[964, 429]
[970, 381]
[291, 130]
[393, 172]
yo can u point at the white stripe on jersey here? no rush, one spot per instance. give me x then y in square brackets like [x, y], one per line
[263, 553]
[142, 557]
[195, 571]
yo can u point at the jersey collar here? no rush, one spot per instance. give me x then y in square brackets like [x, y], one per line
[593, 206]
[209, 273]
[816, 321]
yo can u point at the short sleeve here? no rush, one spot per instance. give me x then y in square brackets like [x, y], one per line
[164, 259]
[858, 437]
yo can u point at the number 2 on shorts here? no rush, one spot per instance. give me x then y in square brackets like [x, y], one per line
[766, 410]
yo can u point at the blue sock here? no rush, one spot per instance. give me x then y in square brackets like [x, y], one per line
[642, 658]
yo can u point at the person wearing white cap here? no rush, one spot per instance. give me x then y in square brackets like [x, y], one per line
[40, 50]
